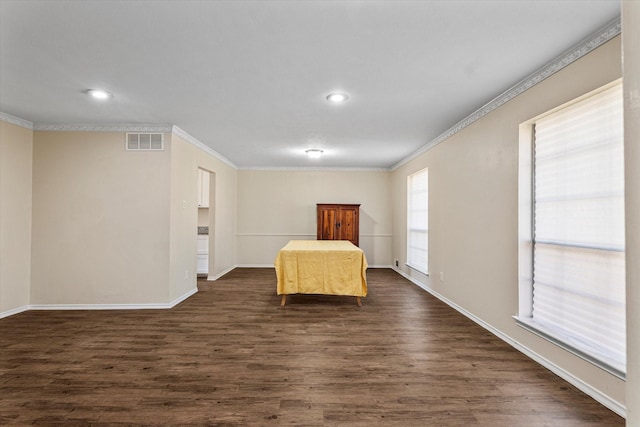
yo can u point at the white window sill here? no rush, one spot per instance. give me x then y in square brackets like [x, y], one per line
[548, 335]
[426, 273]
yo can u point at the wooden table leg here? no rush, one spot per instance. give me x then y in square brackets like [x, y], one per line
[359, 301]
[283, 301]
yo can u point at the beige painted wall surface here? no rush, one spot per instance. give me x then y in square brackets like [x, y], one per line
[203, 216]
[277, 206]
[631, 73]
[473, 211]
[100, 220]
[16, 148]
[185, 161]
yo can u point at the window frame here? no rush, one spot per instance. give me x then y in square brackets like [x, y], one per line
[526, 236]
[422, 269]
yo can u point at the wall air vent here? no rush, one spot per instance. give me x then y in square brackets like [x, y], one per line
[137, 141]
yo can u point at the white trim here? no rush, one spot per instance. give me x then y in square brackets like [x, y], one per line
[183, 297]
[276, 235]
[151, 306]
[536, 329]
[197, 143]
[14, 311]
[272, 266]
[16, 121]
[597, 39]
[417, 269]
[596, 394]
[255, 266]
[571, 55]
[219, 275]
[320, 169]
[122, 127]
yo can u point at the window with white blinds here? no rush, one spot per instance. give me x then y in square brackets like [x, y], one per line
[578, 280]
[418, 221]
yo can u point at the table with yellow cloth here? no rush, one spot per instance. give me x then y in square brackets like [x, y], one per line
[327, 267]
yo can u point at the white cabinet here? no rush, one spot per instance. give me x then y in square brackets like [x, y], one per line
[203, 189]
[202, 264]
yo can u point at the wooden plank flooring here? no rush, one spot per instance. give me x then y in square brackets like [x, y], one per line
[230, 355]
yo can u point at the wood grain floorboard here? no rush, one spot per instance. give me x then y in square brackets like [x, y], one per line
[231, 356]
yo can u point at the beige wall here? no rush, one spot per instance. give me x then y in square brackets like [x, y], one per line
[631, 73]
[109, 226]
[473, 205]
[100, 220]
[277, 206]
[185, 161]
[16, 147]
[203, 217]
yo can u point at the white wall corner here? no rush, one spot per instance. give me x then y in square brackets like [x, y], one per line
[183, 297]
[219, 275]
[197, 143]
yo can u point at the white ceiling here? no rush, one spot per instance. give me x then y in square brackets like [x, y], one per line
[249, 78]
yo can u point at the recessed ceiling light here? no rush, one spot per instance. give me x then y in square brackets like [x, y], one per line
[99, 94]
[337, 97]
[314, 153]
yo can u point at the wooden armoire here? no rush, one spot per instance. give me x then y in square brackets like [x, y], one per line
[338, 222]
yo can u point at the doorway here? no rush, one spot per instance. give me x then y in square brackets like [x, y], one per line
[206, 223]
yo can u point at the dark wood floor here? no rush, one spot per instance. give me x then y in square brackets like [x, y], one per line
[229, 355]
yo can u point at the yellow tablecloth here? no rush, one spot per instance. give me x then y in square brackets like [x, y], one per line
[329, 267]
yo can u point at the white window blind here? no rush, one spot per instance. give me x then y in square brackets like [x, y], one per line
[418, 221]
[578, 227]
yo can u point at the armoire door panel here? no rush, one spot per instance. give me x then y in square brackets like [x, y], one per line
[338, 222]
[327, 225]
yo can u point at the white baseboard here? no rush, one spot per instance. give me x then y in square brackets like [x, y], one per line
[151, 306]
[183, 297]
[219, 275]
[255, 265]
[596, 394]
[272, 266]
[14, 311]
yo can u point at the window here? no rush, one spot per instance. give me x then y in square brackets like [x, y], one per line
[418, 221]
[574, 291]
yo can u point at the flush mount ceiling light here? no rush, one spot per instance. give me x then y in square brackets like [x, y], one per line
[314, 153]
[337, 97]
[99, 94]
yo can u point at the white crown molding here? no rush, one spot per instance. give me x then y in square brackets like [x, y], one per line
[121, 127]
[16, 121]
[591, 43]
[313, 169]
[197, 143]
[88, 127]
[569, 56]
